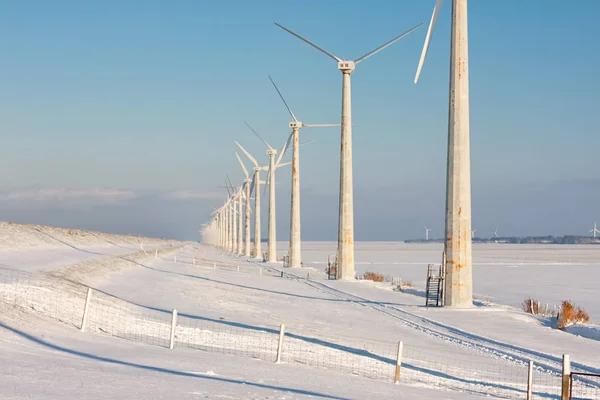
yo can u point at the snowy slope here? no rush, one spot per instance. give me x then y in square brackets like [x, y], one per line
[49, 361]
[231, 306]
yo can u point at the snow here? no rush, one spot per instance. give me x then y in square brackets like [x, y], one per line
[340, 339]
[502, 273]
[586, 331]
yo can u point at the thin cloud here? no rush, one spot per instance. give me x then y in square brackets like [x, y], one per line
[185, 194]
[63, 197]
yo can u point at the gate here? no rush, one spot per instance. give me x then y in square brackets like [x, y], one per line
[584, 386]
[331, 267]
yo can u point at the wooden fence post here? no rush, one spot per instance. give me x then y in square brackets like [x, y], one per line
[566, 376]
[280, 344]
[173, 325]
[398, 363]
[530, 381]
[86, 308]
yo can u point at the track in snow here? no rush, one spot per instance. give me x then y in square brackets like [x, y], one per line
[494, 348]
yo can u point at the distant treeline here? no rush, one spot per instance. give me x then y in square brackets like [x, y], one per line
[567, 239]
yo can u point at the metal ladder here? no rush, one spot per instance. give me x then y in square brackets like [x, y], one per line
[434, 289]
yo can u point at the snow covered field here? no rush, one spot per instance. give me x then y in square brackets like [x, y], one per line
[341, 337]
[502, 273]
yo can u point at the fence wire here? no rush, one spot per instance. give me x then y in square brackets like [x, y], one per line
[64, 300]
[585, 386]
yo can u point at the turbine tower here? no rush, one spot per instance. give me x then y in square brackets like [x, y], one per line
[256, 253]
[427, 233]
[273, 165]
[247, 214]
[294, 250]
[594, 230]
[345, 250]
[458, 290]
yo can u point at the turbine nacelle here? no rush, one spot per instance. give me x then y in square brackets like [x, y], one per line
[272, 152]
[296, 125]
[346, 66]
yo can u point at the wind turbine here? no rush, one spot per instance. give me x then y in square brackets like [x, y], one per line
[247, 188]
[594, 230]
[495, 233]
[235, 199]
[427, 233]
[256, 186]
[473, 233]
[273, 165]
[458, 246]
[294, 250]
[345, 251]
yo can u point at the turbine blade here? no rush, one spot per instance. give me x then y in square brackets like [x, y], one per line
[305, 143]
[252, 159]
[434, 17]
[242, 165]
[282, 99]
[284, 164]
[256, 133]
[230, 184]
[267, 182]
[252, 185]
[310, 43]
[227, 187]
[383, 46]
[284, 149]
[319, 125]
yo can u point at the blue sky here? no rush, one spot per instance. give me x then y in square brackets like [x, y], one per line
[148, 97]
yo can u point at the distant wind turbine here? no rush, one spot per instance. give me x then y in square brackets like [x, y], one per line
[247, 184]
[473, 233]
[427, 233]
[494, 233]
[594, 230]
[256, 186]
[295, 234]
[273, 165]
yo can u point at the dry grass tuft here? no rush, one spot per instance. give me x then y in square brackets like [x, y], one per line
[373, 276]
[531, 306]
[571, 315]
[407, 285]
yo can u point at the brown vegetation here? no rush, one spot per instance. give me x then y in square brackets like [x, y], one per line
[571, 315]
[531, 306]
[373, 276]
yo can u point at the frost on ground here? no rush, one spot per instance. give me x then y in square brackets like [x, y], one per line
[22, 236]
[229, 306]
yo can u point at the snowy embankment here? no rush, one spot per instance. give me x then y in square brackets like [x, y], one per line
[588, 331]
[36, 247]
[14, 237]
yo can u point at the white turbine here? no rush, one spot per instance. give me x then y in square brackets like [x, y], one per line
[427, 230]
[273, 165]
[473, 233]
[458, 246]
[247, 188]
[345, 251]
[294, 250]
[235, 199]
[494, 233]
[256, 253]
[594, 230]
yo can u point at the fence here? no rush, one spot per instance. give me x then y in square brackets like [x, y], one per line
[102, 313]
[584, 386]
